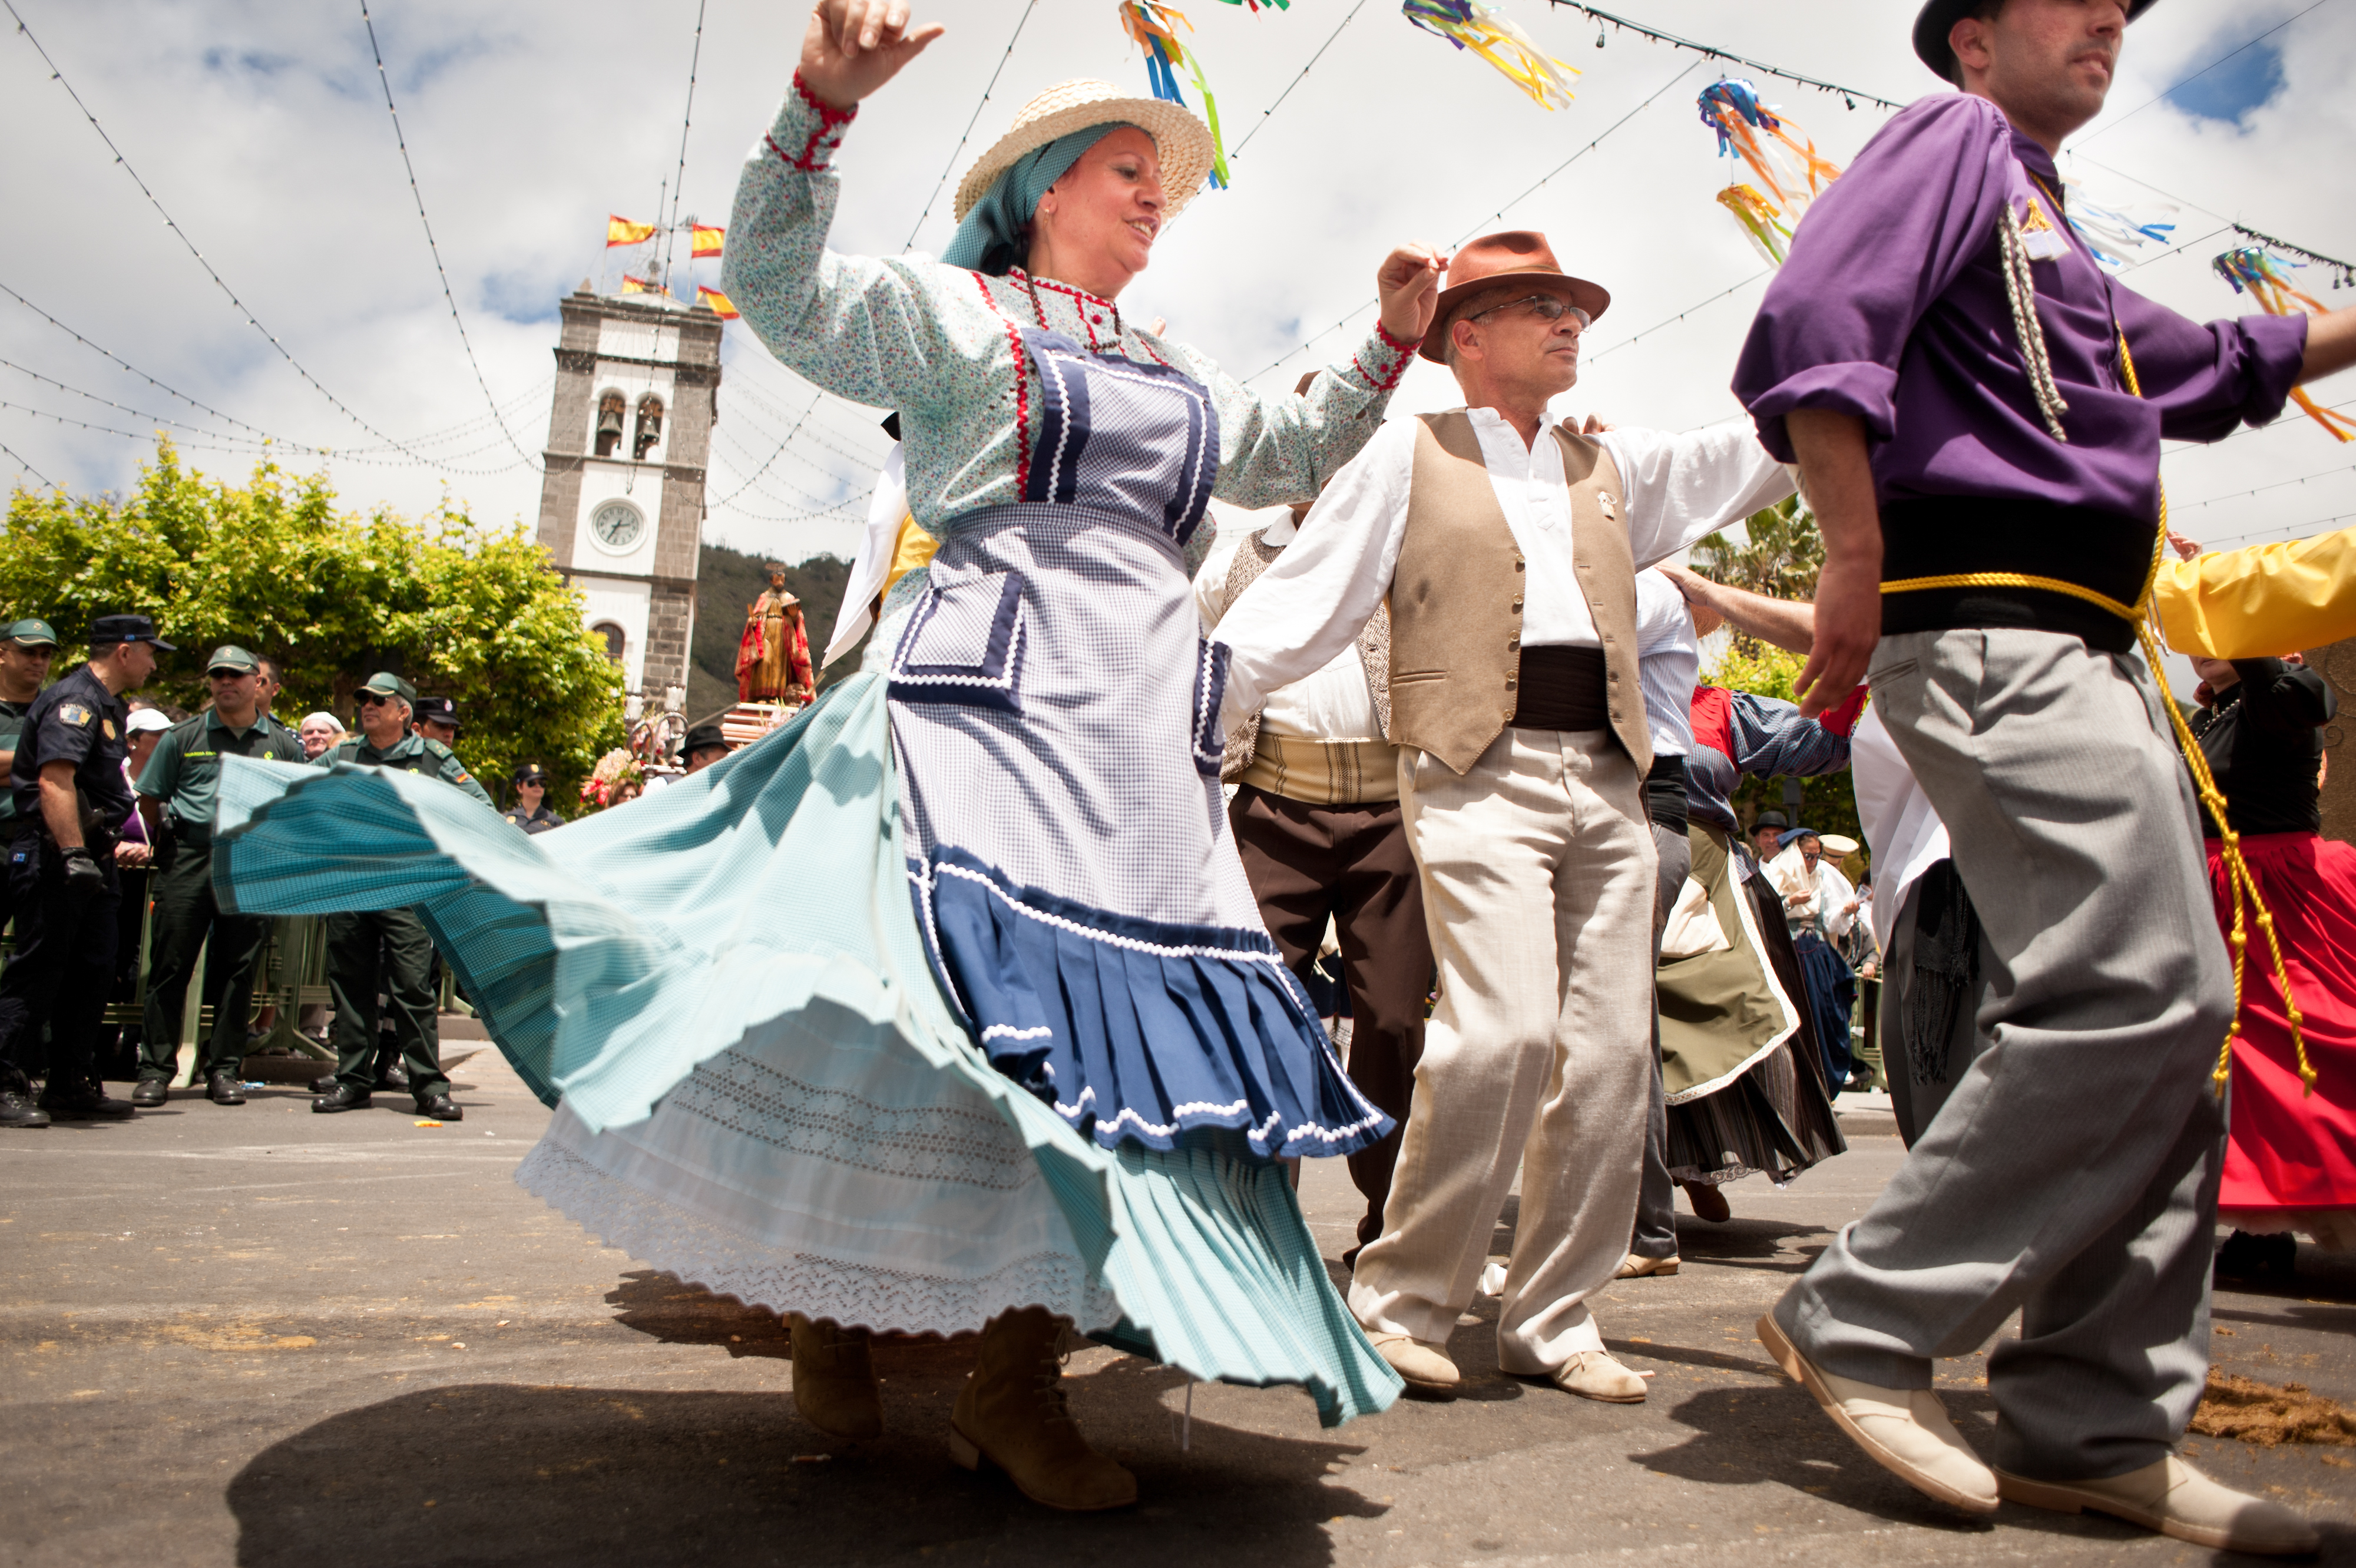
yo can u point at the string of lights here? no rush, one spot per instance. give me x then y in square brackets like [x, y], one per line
[1296, 81]
[384, 80]
[972, 120]
[1852, 96]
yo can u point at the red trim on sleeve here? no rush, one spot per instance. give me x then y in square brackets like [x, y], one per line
[1401, 345]
[824, 136]
[1021, 388]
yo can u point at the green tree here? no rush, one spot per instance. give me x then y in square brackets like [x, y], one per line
[1783, 555]
[462, 609]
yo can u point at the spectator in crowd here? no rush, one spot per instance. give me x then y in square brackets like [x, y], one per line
[177, 789]
[25, 649]
[437, 719]
[1767, 833]
[271, 680]
[531, 810]
[67, 778]
[705, 745]
[318, 732]
[389, 945]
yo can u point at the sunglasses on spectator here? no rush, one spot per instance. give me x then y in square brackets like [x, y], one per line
[1544, 306]
[371, 699]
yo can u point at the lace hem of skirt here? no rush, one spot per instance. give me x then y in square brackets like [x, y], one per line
[851, 1293]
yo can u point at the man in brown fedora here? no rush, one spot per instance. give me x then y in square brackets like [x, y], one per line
[1507, 542]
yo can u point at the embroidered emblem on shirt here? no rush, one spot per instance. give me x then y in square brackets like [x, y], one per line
[108, 725]
[1610, 504]
[73, 714]
[2039, 237]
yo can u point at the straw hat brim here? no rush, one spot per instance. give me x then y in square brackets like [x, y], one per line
[1183, 141]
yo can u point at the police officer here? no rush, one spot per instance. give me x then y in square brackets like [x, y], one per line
[26, 648]
[69, 782]
[437, 718]
[705, 745]
[177, 791]
[531, 810]
[357, 942]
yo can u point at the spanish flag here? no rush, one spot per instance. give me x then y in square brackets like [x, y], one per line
[716, 300]
[640, 285]
[707, 240]
[622, 231]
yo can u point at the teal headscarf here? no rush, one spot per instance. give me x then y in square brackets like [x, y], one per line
[986, 241]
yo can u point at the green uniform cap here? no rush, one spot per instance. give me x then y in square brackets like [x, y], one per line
[230, 657]
[31, 634]
[385, 683]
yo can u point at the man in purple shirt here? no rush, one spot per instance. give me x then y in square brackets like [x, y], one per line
[1958, 382]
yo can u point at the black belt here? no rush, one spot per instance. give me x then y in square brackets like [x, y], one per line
[1561, 688]
[1665, 795]
[1946, 536]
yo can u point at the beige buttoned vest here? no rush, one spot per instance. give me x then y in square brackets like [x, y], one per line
[1456, 595]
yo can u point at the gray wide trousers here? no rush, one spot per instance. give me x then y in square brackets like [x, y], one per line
[2070, 1171]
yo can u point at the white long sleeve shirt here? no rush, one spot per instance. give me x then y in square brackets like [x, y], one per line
[1333, 704]
[1668, 663]
[1312, 603]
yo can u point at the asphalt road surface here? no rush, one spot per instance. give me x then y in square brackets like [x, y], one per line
[258, 1335]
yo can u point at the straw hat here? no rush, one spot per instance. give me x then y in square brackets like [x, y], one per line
[1183, 141]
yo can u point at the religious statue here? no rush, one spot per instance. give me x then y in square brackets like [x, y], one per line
[773, 662]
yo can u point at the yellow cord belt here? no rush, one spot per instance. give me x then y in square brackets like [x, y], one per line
[2237, 870]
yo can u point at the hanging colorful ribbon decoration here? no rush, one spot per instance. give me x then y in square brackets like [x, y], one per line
[1149, 22]
[1491, 34]
[1786, 164]
[2258, 273]
[2108, 233]
[1255, 5]
[1759, 220]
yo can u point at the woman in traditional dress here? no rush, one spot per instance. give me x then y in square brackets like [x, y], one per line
[1818, 907]
[1019, 1052]
[2291, 1157]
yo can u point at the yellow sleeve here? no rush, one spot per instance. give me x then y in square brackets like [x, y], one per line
[913, 549]
[2262, 601]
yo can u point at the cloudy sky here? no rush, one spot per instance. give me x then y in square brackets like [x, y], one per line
[261, 131]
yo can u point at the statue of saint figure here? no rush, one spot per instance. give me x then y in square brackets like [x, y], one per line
[773, 662]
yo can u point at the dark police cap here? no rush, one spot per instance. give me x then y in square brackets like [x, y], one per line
[1937, 19]
[531, 773]
[109, 630]
[385, 683]
[437, 710]
[702, 737]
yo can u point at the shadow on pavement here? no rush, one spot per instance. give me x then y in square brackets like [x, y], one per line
[496, 1474]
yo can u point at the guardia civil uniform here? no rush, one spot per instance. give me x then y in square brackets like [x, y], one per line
[25, 634]
[184, 773]
[389, 947]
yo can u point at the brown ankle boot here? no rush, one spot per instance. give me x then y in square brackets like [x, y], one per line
[1012, 1412]
[834, 1383]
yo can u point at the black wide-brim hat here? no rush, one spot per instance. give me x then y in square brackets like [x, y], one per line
[1938, 18]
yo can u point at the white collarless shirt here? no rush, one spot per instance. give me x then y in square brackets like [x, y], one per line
[1335, 704]
[1315, 598]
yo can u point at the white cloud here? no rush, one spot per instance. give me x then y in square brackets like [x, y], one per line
[263, 130]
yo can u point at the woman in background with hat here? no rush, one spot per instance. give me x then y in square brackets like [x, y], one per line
[1052, 1086]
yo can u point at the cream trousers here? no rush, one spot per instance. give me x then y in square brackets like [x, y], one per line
[1538, 889]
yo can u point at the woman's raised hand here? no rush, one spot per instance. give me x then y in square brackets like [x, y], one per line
[853, 47]
[1408, 282]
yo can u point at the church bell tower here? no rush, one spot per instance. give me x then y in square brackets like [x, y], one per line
[621, 504]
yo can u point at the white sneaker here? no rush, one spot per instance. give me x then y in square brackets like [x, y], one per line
[1904, 1431]
[2175, 1499]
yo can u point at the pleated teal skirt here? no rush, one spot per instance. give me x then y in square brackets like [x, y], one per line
[759, 1084]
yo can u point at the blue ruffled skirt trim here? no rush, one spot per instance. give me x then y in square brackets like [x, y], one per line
[1137, 1031]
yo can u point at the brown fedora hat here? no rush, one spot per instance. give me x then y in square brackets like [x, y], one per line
[1488, 264]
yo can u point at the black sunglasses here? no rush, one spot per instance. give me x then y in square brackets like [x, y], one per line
[371, 699]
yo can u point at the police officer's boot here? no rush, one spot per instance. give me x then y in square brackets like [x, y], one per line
[390, 1072]
[79, 1099]
[17, 1106]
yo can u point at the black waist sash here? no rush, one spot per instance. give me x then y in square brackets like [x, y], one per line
[1664, 794]
[1561, 688]
[1942, 536]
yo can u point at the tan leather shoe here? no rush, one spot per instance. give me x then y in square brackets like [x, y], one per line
[1423, 1364]
[1012, 1412]
[834, 1382]
[1636, 1268]
[2176, 1499]
[1593, 1374]
[1904, 1431]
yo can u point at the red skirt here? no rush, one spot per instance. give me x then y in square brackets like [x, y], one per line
[2291, 1157]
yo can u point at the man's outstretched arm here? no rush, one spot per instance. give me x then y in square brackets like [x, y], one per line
[1789, 624]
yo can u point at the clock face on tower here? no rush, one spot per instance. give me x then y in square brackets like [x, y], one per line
[617, 525]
